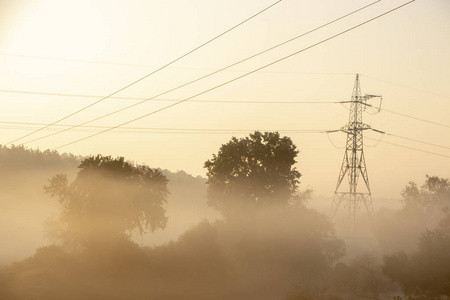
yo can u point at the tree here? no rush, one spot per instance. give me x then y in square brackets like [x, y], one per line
[253, 171]
[108, 199]
[426, 273]
[423, 206]
[431, 199]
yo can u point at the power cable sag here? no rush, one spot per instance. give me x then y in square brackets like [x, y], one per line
[239, 77]
[210, 74]
[150, 74]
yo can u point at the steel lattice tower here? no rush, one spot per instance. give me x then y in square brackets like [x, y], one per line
[354, 163]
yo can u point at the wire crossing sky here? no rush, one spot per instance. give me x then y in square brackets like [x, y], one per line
[52, 65]
[152, 73]
[237, 78]
[209, 74]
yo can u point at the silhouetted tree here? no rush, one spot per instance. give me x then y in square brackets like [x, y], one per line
[426, 273]
[253, 171]
[108, 199]
[423, 207]
[432, 198]
[16, 158]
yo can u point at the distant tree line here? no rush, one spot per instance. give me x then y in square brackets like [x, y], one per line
[268, 245]
[425, 272]
[22, 158]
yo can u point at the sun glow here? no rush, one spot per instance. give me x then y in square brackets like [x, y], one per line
[53, 27]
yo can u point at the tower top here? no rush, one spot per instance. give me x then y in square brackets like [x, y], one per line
[356, 89]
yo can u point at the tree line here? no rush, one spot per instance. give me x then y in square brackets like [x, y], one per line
[267, 245]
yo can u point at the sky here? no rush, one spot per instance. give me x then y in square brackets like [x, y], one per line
[59, 56]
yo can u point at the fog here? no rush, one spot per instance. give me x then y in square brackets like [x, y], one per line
[24, 206]
[26, 209]
[54, 249]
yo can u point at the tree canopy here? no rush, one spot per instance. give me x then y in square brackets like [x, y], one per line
[253, 171]
[108, 199]
[422, 207]
[432, 198]
[424, 274]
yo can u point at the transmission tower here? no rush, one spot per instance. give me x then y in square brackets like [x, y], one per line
[354, 164]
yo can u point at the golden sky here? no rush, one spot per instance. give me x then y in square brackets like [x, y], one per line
[94, 48]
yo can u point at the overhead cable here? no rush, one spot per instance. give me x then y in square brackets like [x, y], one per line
[412, 148]
[242, 76]
[210, 74]
[219, 101]
[175, 100]
[407, 87]
[419, 141]
[153, 72]
[416, 118]
[28, 125]
[331, 141]
[411, 139]
[172, 67]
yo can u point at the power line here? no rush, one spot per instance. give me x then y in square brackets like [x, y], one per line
[84, 61]
[153, 129]
[376, 143]
[206, 130]
[210, 74]
[175, 100]
[390, 134]
[184, 131]
[418, 141]
[412, 148]
[411, 139]
[405, 115]
[331, 141]
[408, 87]
[416, 118]
[154, 66]
[217, 101]
[394, 144]
[203, 131]
[153, 72]
[65, 95]
[239, 77]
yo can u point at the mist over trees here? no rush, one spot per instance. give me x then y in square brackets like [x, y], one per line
[24, 207]
[422, 208]
[263, 242]
[252, 172]
[432, 199]
[19, 157]
[108, 199]
[31, 164]
[425, 272]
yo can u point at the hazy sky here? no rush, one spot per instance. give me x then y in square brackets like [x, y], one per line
[97, 47]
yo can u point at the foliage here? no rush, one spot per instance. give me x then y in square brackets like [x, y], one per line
[109, 198]
[20, 166]
[258, 258]
[19, 157]
[422, 208]
[361, 277]
[253, 171]
[426, 273]
[431, 199]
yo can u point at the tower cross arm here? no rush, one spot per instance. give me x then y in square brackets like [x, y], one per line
[352, 128]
